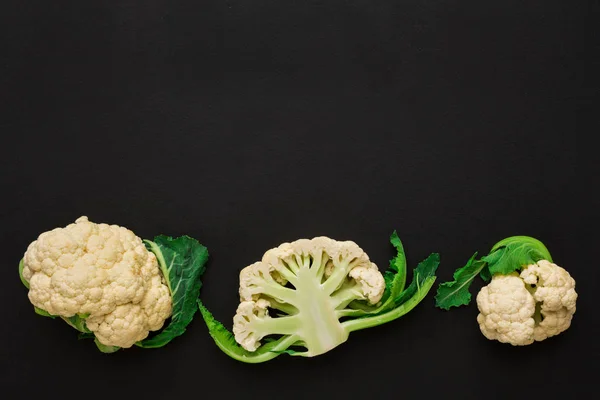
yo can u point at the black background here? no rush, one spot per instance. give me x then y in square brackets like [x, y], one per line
[249, 123]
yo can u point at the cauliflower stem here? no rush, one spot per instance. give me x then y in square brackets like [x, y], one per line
[320, 290]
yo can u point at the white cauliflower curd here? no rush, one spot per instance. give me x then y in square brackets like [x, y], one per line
[531, 306]
[103, 273]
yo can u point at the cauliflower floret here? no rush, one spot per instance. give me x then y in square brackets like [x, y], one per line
[362, 270]
[555, 291]
[506, 309]
[370, 280]
[254, 273]
[531, 306]
[157, 303]
[247, 312]
[100, 270]
[122, 327]
[130, 323]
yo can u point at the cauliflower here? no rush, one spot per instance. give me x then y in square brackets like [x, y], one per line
[528, 299]
[101, 270]
[249, 312]
[321, 274]
[102, 280]
[298, 294]
[553, 289]
[506, 310]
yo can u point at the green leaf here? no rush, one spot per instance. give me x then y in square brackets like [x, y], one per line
[21, 266]
[506, 256]
[397, 263]
[225, 340]
[388, 277]
[182, 262]
[423, 279]
[425, 270]
[396, 274]
[83, 336]
[43, 313]
[104, 348]
[395, 279]
[515, 252]
[77, 322]
[485, 273]
[456, 293]
[290, 352]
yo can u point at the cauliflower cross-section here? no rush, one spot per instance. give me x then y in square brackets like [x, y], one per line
[307, 282]
[304, 298]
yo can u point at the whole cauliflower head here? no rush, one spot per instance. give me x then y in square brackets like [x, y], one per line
[531, 306]
[102, 271]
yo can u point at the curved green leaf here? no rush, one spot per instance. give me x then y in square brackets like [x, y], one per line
[104, 348]
[395, 277]
[77, 322]
[225, 340]
[182, 262]
[505, 257]
[396, 274]
[423, 279]
[456, 293]
[21, 266]
[515, 252]
[43, 313]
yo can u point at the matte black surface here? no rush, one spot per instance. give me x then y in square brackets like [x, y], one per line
[249, 123]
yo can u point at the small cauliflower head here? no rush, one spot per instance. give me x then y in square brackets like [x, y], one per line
[306, 283]
[102, 271]
[531, 306]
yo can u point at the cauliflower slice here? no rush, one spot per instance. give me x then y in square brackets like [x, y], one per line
[304, 298]
[100, 270]
[531, 306]
[308, 282]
